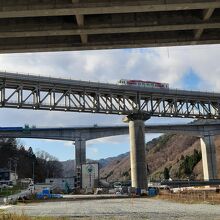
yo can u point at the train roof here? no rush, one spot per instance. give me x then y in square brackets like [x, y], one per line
[134, 80]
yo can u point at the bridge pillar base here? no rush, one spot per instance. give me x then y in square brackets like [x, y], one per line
[137, 151]
[208, 157]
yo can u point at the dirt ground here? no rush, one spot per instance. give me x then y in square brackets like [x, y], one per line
[125, 208]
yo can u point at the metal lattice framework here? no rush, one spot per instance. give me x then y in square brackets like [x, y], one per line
[34, 92]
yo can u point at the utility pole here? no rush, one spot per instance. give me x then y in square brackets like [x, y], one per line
[33, 172]
[9, 164]
[15, 165]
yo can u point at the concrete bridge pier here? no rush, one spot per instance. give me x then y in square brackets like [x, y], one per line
[208, 157]
[80, 158]
[80, 152]
[137, 150]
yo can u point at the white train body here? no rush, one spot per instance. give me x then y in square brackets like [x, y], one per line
[142, 83]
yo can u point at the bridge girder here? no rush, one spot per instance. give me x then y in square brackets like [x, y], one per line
[90, 133]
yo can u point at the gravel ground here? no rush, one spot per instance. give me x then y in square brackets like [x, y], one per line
[137, 208]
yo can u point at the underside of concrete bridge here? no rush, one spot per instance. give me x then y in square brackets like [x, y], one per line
[59, 25]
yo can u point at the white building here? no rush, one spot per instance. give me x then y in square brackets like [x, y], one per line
[8, 177]
[90, 175]
[61, 183]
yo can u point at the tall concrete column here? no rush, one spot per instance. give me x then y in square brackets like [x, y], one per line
[208, 157]
[80, 152]
[80, 158]
[137, 150]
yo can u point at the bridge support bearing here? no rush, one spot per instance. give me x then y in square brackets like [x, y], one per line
[80, 158]
[137, 151]
[208, 157]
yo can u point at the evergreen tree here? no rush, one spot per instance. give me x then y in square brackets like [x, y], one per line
[166, 173]
[14, 154]
[189, 162]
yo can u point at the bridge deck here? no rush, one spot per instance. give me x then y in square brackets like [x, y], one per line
[198, 129]
[28, 80]
[57, 25]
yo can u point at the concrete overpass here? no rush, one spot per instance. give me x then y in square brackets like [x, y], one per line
[206, 130]
[59, 25]
[94, 132]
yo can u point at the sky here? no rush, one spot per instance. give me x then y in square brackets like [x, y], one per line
[186, 67]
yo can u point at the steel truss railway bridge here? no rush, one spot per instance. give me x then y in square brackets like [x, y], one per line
[54, 94]
[58, 25]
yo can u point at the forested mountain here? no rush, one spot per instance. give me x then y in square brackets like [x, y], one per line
[14, 156]
[175, 156]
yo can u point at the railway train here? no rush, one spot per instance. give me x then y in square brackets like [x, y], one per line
[24, 129]
[142, 83]
[11, 129]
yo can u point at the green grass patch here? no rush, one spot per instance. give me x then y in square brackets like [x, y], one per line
[9, 191]
[24, 217]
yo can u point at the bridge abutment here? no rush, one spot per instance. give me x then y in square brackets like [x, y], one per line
[137, 150]
[208, 157]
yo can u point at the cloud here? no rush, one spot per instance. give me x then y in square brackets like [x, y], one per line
[109, 140]
[117, 140]
[202, 60]
[68, 144]
[93, 152]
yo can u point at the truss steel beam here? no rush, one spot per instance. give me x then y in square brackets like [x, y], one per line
[54, 94]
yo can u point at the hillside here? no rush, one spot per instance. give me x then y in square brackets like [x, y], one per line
[69, 165]
[168, 151]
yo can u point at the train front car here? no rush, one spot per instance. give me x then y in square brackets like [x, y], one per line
[122, 82]
[142, 83]
[11, 128]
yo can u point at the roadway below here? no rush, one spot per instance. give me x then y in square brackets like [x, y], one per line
[186, 183]
[129, 208]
